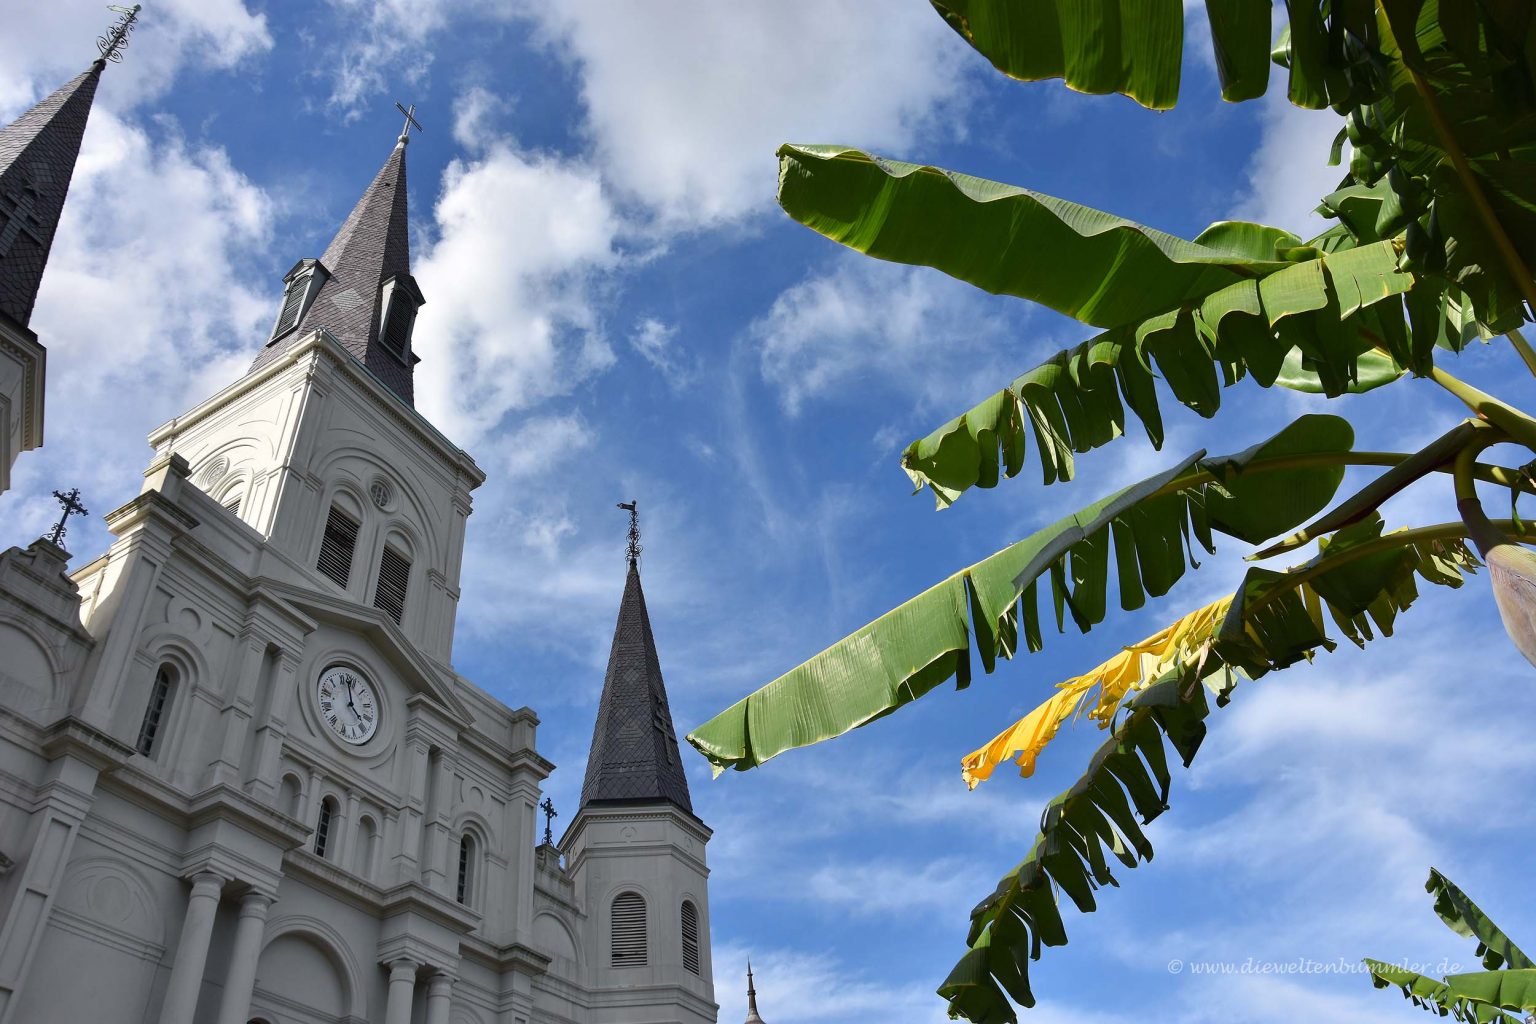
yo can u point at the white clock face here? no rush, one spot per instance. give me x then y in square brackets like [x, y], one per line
[348, 704]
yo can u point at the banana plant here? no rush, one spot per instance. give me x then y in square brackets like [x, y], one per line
[1507, 982]
[1433, 234]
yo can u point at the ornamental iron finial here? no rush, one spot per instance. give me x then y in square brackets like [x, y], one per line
[115, 41]
[72, 506]
[410, 122]
[548, 807]
[634, 531]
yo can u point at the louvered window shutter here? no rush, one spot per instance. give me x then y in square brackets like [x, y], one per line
[690, 936]
[629, 930]
[337, 546]
[398, 321]
[288, 319]
[394, 580]
[154, 712]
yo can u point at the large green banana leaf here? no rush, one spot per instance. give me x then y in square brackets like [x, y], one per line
[1317, 320]
[1093, 266]
[1274, 620]
[1132, 47]
[1154, 524]
[1464, 917]
[1456, 995]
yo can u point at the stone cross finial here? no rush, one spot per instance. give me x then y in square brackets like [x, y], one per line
[72, 506]
[548, 807]
[410, 121]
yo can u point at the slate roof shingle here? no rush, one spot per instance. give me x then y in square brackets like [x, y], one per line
[37, 160]
[634, 754]
[372, 246]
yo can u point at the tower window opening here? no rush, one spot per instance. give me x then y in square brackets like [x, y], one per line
[337, 546]
[323, 826]
[293, 301]
[394, 581]
[154, 712]
[690, 936]
[466, 868]
[399, 318]
[629, 945]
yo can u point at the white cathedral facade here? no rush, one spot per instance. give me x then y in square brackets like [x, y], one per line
[240, 780]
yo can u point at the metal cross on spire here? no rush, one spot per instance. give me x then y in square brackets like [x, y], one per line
[72, 506]
[115, 41]
[634, 531]
[410, 121]
[548, 807]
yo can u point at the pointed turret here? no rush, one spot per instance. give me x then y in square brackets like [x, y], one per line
[752, 1017]
[361, 290]
[634, 754]
[37, 161]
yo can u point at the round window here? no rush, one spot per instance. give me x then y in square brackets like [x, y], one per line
[380, 493]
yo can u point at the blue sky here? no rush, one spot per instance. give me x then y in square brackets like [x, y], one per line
[617, 309]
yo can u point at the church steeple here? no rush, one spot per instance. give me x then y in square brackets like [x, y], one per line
[634, 755]
[361, 290]
[752, 1017]
[37, 160]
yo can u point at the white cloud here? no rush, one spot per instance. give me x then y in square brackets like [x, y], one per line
[1289, 173]
[145, 306]
[655, 342]
[789, 71]
[475, 116]
[909, 328]
[59, 43]
[384, 38]
[512, 283]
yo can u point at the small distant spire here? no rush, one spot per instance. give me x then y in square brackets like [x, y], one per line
[115, 41]
[632, 507]
[410, 122]
[752, 1016]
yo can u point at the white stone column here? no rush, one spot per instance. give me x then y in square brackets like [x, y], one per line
[192, 950]
[402, 989]
[439, 998]
[235, 1006]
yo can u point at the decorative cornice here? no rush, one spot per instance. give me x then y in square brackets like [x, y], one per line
[73, 737]
[501, 959]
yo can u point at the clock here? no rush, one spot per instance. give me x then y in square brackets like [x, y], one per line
[347, 703]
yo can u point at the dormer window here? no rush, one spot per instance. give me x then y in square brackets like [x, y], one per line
[401, 299]
[302, 282]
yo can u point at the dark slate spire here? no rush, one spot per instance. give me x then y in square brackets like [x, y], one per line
[364, 275]
[752, 1017]
[37, 161]
[634, 755]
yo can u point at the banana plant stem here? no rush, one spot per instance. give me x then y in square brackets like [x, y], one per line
[1520, 427]
[1527, 354]
[1500, 475]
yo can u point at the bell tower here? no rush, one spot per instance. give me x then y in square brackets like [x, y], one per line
[636, 849]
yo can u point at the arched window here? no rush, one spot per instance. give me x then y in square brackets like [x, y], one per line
[338, 545]
[323, 826]
[155, 710]
[394, 580]
[288, 795]
[690, 936]
[367, 845]
[467, 853]
[629, 930]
